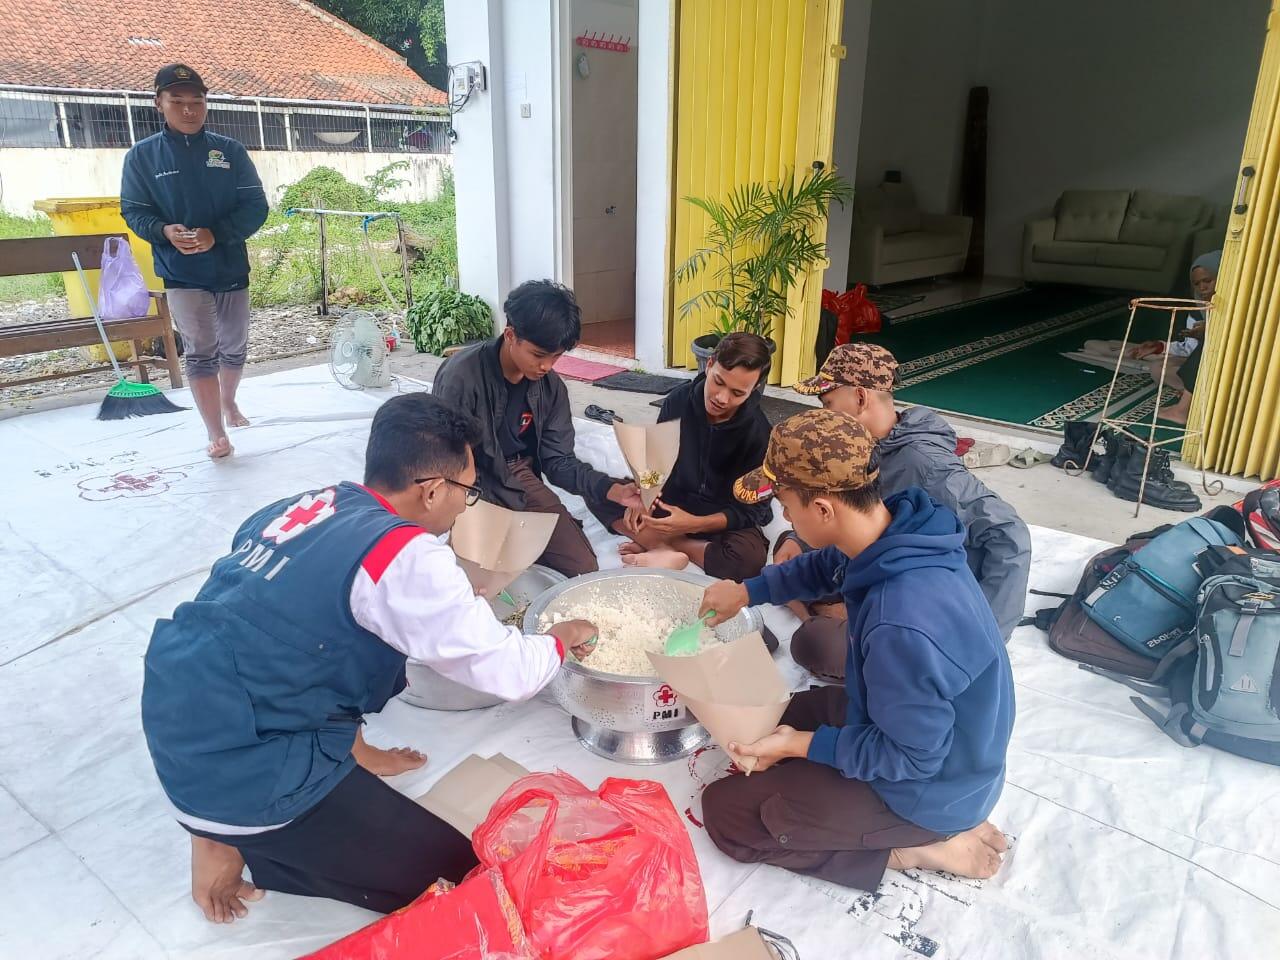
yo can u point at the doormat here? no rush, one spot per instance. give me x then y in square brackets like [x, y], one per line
[632, 381]
[587, 370]
[775, 408]
[1003, 360]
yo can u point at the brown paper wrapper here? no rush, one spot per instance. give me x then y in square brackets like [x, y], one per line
[463, 796]
[734, 689]
[649, 449]
[495, 545]
[744, 945]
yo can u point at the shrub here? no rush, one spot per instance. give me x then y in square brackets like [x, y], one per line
[445, 318]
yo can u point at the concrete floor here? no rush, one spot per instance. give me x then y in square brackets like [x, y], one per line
[1043, 495]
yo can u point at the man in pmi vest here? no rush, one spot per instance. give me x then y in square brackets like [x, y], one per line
[255, 691]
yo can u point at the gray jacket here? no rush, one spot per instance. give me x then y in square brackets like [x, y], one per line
[472, 381]
[921, 452]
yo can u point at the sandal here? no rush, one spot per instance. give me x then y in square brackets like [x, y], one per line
[987, 455]
[602, 415]
[1029, 457]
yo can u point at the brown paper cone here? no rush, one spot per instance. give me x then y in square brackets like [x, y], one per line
[649, 448]
[734, 689]
[495, 545]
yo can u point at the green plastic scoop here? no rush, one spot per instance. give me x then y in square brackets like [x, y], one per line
[684, 640]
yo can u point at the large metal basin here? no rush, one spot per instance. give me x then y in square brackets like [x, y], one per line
[632, 719]
[431, 691]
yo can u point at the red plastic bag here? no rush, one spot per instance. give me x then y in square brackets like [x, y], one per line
[475, 920]
[854, 312]
[596, 874]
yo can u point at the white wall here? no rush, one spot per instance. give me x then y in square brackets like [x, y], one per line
[919, 70]
[30, 175]
[855, 35]
[1089, 94]
[1100, 94]
[653, 180]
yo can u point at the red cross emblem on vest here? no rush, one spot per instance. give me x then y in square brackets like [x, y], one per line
[664, 696]
[300, 516]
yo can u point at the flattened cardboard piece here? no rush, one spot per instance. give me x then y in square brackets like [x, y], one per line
[650, 451]
[495, 545]
[746, 944]
[734, 689]
[463, 797]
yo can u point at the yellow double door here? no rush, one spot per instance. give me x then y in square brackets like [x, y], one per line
[1237, 399]
[754, 101]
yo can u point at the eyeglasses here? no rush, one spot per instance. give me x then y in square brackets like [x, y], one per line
[473, 492]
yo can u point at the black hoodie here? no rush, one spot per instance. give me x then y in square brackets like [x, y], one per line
[713, 456]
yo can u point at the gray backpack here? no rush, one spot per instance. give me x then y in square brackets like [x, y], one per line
[1224, 682]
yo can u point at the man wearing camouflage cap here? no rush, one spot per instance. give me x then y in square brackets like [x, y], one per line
[917, 449]
[903, 765]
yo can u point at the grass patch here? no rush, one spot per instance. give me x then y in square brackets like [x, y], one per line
[36, 287]
[285, 254]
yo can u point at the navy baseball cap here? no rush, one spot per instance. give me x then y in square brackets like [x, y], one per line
[179, 75]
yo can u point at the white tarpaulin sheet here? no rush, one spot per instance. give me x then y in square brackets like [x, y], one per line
[1123, 844]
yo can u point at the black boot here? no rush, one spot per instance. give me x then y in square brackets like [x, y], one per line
[1124, 451]
[1162, 490]
[1102, 466]
[1077, 441]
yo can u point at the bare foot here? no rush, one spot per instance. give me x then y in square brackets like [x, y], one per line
[386, 763]
[661, 558]
[218, 885]
[1178, 412]
[630, 548]
[966, 855]
[219, 449]
[234, 417]
[992, 836]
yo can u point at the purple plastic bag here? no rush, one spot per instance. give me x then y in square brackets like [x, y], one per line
[122, 293]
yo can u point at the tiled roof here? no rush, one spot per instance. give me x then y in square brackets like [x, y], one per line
[288, 49]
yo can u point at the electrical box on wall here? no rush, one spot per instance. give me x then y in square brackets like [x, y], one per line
[468, 78]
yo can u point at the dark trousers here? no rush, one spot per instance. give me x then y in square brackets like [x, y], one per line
[731, 554]
[807, 817]
[364, 843]
[569, 550]
[821, 646]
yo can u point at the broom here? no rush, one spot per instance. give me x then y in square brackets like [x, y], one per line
[126, 399]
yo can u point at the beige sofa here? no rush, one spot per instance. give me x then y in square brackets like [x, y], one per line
[893, 240]
[1138, 241]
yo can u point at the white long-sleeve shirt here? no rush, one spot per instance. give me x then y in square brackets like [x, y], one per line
[412, 594]
[415, 597]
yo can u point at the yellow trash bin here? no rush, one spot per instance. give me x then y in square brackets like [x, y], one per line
[78, 216]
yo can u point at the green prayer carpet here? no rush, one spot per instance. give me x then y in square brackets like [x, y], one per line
[1002, 359]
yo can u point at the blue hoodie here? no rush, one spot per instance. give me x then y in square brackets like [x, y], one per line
[929, 683]
[198, 180]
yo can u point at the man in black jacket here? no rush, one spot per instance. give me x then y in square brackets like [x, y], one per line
[196, 198]
[523, 408]
[723, 433]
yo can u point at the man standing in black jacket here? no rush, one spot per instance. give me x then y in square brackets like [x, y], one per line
[523, 408]
[196, 198]
[723, 433]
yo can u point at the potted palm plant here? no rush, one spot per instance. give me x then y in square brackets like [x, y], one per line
[759, 243]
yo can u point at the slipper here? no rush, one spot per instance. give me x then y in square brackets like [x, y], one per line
[987, 455]
[601, 415]
[1029, 457]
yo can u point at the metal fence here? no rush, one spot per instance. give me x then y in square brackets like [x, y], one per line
[87, 120]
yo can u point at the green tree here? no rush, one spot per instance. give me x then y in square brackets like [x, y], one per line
[412, 28]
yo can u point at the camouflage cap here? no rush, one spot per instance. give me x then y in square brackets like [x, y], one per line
[854, 365]
[817, 450]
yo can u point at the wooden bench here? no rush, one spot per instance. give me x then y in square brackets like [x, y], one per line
[35, 255]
